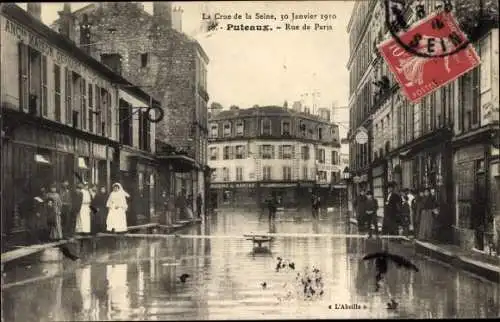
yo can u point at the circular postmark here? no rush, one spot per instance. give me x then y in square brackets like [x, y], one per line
[455, 41]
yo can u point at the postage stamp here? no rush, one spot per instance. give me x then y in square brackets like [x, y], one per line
[440, 39]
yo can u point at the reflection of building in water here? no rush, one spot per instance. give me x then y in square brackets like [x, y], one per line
[56, 283]
[118, 292]
[83, 282]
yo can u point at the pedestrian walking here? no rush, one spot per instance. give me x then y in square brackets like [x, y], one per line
[199, 204]
[370, 217]
[98, 205]
[67, 213]
[272, 206]
[392, 211]
[83, 219]
[316, 203]
[359, 206]
[54, 207]
[426, 217]
[116, 221]
[419, 206]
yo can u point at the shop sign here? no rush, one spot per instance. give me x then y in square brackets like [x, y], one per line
[244, 185]
[277, 185]
[220, 185]
[305, 184]
[361, 136]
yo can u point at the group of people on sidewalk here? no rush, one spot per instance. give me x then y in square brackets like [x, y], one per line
[408, 211]
[180, 208]
[60, 213]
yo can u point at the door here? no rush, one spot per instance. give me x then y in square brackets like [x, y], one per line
[479, 206]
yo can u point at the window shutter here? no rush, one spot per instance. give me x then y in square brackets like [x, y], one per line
[245, 152]
[280, 152]
[231, 152]
[261, 148]
[273, 154]
[293, 151]
[23, 77]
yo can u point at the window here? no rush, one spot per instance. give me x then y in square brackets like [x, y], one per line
[106, 108]
[213, 153]
[305, 153]
[227, 129]
[44, 97]
[239, 128]
[69, 96]
[286, 152]
[91, 107]
[214, 131]
[225, 174]
[320, 155]
[144, 60]
[239, 174]
[322, 176]
[57, 93]
[267, 152]
[227, 153]
[266, 127]
[240, 152]
[24, 84]
[285, 128]
[76, 81]
[320, 133]
[144, 128]
[98, 110]
[35, 81]
[335, 157]
[302, 128]
[266, 173]
[84, 109]
[287, 173]
[304, 173]
[125, 126]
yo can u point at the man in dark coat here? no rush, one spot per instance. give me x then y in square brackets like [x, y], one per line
[199, 204]
[359, 206]
[392, 211]
[67, 214]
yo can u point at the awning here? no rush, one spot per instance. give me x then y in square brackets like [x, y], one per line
[181, 163]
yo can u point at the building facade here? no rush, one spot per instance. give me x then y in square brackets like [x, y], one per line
[155, 54]
[62, 119]
[443, 142]
[259, 151]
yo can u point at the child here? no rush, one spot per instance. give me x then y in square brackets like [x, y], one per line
[370, 208]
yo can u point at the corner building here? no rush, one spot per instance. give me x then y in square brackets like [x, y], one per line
[263, 150]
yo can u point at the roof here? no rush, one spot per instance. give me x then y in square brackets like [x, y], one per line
[265, 110]
[17, 13]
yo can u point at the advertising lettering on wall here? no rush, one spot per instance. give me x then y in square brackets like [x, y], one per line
[34, 41]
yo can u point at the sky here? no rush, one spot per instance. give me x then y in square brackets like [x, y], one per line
[267, 68]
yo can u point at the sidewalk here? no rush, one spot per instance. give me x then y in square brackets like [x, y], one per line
[24, 251]
[469, 260]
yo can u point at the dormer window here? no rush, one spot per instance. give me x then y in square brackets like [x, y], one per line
[214, 131]
[266, 127]
[285, 128]
[240, 128]
[227, 129]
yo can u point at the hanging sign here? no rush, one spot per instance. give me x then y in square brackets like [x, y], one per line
[361, 136]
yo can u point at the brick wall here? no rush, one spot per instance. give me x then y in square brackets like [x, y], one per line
[170, 72]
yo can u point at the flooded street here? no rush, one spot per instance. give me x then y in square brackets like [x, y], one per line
[138, 278]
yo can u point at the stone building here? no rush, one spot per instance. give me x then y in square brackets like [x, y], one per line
[263, 150]
[443, 142]
[152, 52]
[61, 121]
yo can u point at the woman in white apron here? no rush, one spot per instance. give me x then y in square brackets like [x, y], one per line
[83, 219]
[117, 207]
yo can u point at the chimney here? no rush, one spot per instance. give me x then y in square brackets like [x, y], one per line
[67, 22]
[162, 11]
[177, 19]
[35, 9]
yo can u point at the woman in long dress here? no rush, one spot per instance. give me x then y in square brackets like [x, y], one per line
[117, 206]
[426, 217]
[83, 219]
[54, 211]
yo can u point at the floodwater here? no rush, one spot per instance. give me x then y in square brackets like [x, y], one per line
[137, 278]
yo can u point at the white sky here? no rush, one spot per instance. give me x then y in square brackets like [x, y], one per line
[247, 67]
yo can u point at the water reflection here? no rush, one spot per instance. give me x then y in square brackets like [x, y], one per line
[139, 279]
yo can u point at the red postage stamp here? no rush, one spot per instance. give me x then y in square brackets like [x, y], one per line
[441, 40]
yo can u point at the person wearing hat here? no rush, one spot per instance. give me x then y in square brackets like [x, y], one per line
[392, 211]
[370, 207]
[54, 213]
[67, 214]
